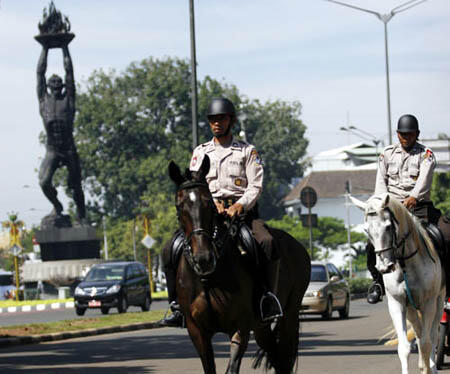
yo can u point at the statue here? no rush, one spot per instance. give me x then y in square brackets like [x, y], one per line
[57, 109]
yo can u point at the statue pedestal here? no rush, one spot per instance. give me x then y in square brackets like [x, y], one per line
[69, 243]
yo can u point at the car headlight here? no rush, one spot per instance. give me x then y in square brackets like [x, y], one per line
[113, 289]
[318, 294]
[79, 291]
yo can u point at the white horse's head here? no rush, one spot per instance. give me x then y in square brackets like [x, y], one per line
[380, 225]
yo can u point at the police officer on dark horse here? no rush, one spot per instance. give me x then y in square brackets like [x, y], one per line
[235, 181]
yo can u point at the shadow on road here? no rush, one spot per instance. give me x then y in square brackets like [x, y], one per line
[79, 356]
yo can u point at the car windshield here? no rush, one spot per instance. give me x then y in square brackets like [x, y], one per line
[105, 273]
[318, 273]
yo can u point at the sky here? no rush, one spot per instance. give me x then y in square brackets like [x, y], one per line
[328, 57]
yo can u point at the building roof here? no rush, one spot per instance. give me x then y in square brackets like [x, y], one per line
[330, 184]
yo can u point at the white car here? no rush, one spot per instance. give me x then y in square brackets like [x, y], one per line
[327, 291]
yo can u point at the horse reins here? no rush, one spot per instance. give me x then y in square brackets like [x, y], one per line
[217, 243]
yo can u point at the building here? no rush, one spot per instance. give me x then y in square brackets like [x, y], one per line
[329, 175]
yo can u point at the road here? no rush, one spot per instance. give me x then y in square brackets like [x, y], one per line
[21, 318]
[334, 347]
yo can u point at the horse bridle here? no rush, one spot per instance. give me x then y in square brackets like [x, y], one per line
[396, 244]
[217, 243]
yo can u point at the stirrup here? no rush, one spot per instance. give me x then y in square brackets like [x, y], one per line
[447, 306]
[275, 302]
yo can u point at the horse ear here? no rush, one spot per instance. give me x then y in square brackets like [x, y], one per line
[175, 173]
[358, 203]
[204, 168]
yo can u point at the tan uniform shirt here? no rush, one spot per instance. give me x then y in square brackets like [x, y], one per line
[406, 173]
[235, 172]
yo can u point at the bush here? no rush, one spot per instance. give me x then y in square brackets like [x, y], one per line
[359, 285]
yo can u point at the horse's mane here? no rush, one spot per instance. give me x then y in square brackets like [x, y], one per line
[406, 221]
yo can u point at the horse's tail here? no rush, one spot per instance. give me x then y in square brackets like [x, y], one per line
[261, 357]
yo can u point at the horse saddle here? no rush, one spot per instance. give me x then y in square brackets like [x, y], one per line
[437, 238]
[247, 243]
[176, 247]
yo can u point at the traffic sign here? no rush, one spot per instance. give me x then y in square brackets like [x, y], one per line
[307, 218]
[15, 250]
[148, 241]
[308, 196]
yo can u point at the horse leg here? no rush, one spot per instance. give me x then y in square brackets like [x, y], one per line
[287, 347]
[398, 316]
[434, 331]
[238, 346]
[203, 345]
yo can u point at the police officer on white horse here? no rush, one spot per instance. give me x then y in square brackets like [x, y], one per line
[405, 170]
[235, 180]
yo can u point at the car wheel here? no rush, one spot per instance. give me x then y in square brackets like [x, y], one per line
[146, 306]
[123, 305]
[105, 310]
[328, 311]
[80, 311]
[344, 312]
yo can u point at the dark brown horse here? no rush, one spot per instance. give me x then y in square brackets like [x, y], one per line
[217, 288]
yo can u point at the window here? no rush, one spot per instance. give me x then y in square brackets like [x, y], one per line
[318, 273]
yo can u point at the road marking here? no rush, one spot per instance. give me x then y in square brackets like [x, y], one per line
[40, 307]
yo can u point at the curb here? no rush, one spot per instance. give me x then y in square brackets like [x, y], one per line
[37, 307]
[32, 339]
[53, 306]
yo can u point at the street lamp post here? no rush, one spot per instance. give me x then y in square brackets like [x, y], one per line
[243, 133]
[385, 18]
[105, 238]
[194, 77]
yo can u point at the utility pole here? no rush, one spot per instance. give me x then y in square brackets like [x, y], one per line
[349, 242]
[193, 77]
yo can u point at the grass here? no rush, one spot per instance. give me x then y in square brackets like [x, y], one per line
[81, 324]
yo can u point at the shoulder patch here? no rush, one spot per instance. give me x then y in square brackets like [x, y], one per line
[254, 156]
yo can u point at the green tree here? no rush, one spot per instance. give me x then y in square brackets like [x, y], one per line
[277, 131]
[130, 124]
[440, 192]
[330, 234]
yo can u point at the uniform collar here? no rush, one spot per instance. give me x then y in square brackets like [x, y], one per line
[415, 148]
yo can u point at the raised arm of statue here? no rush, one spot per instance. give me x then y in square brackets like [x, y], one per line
[70, 80]
[41, 69]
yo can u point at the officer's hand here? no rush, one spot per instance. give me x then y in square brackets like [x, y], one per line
[410, 203]
[235, 209]
[220, 207]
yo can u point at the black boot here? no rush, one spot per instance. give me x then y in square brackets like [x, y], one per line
[375, 293]
[175, 319]
[376, 290]
[269, 305]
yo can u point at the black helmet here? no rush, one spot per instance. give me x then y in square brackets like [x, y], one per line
[407, 123]
[221, 105]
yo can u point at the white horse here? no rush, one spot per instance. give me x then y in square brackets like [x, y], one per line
[412, 274]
